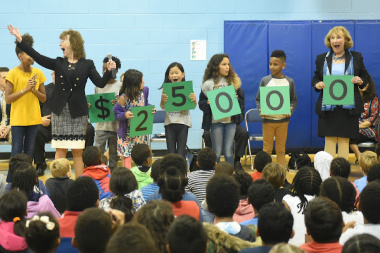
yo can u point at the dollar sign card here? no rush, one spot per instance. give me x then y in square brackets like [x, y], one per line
[101, 107]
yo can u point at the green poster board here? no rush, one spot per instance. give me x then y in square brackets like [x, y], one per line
[275, 100]
[142, 121]
[101, 107]
[339, 90]
[223, 102]
[178, 96]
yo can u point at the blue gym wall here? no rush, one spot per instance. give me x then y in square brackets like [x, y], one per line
[150, 34]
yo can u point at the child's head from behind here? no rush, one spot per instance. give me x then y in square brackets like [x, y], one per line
[124, 204]
[261, 160]
[155, 171]
[42, 233]
[340, 167]
[286, 248]
[370, 202]
[92, 231]
[367, 159]
[206, 159]
[277, 62]
[341, 191]
[362, 243]
[187, 235]
[373, 173]
[122, 181]
[260, 193]
[244, 180]
[175, 160]
[157, 216]
[60, 167]
[174, 73]
[142, 154]
[13, 208]
[323, 220]
[172, 184]
[25, 179]
[275, 174]
[275, 223]
[82, 193]
[16, 160]
[224, 168]
[222, 196]
[92, 156]
[133, 83]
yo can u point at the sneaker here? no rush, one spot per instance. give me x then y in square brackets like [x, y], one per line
[41, 169]
[238, 166]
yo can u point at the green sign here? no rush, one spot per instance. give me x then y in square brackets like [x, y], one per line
[142, 121]
[178, 96]
[101, 107]
[223, 102]
[274, 100]
[339, 90]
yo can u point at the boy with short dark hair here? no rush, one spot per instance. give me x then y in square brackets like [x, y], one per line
[224, 168]
[142, 156]
[100, 173]
[261, 160]
[276, 126]
[151, 188]
[373, 173]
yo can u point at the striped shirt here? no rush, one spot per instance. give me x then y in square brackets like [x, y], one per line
[197, 183]
[149, 189]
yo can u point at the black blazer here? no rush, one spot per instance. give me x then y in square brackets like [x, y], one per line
[64, 90]
[359, 70]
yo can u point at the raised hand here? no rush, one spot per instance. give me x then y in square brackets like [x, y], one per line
[15, 32]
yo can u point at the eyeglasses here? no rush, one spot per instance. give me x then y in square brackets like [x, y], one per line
[150, 156]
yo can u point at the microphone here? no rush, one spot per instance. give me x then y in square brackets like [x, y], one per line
[109, 55]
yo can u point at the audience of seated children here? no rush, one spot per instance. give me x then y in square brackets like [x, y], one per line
[42, 233]
[142, 156]
[123, 204]
[156, 216]
[324, 223]
[373, 173]
[367, 159]
[100, 173]
[343, 193]
[369, 205]
[224, 168]
[92, 231]
[275, 174]
[57, 185]
[172, 188]
[222, 196]
[12, 214]
[154, 174]
[25, 179]
[362, 243]
[131, 238]
[275, 226]
[322, 163]
[123, 183]
[81, 194]
[260, 193]
[187, 235]
[198, 179]
[245, 210]
[261, 160]
[305, 186]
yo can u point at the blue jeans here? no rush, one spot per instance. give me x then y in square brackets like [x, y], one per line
[23, 139]
[222, 138]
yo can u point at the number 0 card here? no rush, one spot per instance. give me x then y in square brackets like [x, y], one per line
[178, 96]
[223, 102]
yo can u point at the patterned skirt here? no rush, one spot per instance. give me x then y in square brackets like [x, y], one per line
[68, 132]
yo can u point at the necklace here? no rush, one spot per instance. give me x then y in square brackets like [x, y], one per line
[338, 58]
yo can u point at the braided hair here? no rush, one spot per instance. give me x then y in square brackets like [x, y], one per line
[341, 191]
[172, 184]
[307, 181]
[340, 167]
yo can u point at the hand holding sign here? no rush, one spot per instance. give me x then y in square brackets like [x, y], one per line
[141, 121]
[102, 109]
[339, 90]
[178, 96]
[223, 102]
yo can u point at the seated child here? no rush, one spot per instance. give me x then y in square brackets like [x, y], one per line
[57, 185]
[367, 159]
[369, 205]
[100, 173]
[222, 196]
[362, 243]
[261, 160]
[275, 174]
[322, 162]
[172, 187]
[373, 173]
[187, 235]
[260, 193]
[275, 226]
[92, 231]
[12, 224]
[42, 233]
[154, 174]
[198, 179]
[224, 168]
[245, 210]
[124, 204]
[324, 223]
[142, 156]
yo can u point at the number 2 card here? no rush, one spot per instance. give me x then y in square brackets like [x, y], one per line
[142, 121]
[178, 96]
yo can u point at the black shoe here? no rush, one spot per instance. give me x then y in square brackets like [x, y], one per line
[41, 169]
[238, 166]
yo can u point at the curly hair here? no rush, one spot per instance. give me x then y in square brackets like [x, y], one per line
[346, 34]
[206, 159]
[244, 180]
[370, 93]
[115, 59]
[28, 39]
[131, 84]
[76, 42]
[172, 184]
[212, 71]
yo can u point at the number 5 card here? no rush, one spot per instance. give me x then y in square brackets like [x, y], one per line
[178, 96]
[142, 121]
[223, 102]
[275, 100]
